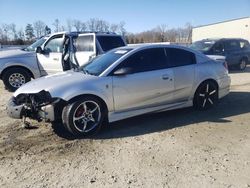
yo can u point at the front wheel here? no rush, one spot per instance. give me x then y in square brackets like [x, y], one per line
[206, 96]
[83, 117]
[14, 78]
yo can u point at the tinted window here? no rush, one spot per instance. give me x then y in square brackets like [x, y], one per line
[146, 60]
[218, 47]
[110, 42]
[232, 45]
[180, 57]
[54, 45]
[84, 43]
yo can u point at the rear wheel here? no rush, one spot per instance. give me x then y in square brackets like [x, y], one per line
[83, 117]
[206, 95]
[242, 65]
[14, 78]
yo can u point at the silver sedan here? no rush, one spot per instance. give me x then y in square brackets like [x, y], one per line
[122, 83]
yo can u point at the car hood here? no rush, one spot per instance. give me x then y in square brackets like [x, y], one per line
[54, 84]
[15, 53]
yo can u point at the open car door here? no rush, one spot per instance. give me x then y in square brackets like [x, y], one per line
[50, 58]
[84, 48]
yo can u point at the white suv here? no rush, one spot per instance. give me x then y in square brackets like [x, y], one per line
[61, 51]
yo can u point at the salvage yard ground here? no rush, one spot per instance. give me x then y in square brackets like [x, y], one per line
[181, 148]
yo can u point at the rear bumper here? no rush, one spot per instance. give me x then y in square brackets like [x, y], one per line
[224, 86]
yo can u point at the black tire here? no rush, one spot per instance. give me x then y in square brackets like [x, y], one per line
[206, 96]
[88, 123]
[21, 75]
[243, 64]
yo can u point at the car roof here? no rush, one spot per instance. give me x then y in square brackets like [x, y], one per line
[221, 39]
[144, 46]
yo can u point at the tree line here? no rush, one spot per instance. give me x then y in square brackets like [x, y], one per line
[10, 34]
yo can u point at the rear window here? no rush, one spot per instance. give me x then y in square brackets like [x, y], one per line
[179, 57]
[84, 43]
[244, 44]
[110, 42]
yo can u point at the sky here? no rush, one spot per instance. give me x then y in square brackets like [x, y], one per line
[139, 15]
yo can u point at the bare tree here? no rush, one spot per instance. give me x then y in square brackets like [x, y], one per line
[189, 28]
[91, 24]
[12, 28]
[122, 29]
[114, 28]
[69, 25]
[39, 28]
[83, 26]
[56, 24]
[162, 29]
[77, 24]
[6, 30]
[20, 34]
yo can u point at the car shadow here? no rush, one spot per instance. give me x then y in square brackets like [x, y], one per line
[234, 71]
[235, 103]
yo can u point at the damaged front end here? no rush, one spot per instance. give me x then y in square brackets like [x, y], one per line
[38, 106]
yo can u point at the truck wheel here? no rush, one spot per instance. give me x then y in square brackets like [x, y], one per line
[242, 65]
[14, 78]
[83, 117]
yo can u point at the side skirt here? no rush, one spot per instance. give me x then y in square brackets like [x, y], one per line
[116, 116]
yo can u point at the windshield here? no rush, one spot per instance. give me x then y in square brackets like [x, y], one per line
[202, 46]
[33, 46]
[101, 63]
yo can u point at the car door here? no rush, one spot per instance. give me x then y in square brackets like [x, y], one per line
[149, 84]
[233, 52]
[85, 48]
[50, 60]
[183, 64]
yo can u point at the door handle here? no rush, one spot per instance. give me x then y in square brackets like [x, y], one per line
[165, 77]
[56, 59]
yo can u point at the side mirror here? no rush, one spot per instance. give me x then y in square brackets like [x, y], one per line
[122, 71]
[39, 50]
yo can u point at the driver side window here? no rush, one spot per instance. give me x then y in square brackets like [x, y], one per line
[55, 45]
[218, 48]
[146, 60]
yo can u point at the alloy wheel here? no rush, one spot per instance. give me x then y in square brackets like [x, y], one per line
[87, 116]
[207, 95]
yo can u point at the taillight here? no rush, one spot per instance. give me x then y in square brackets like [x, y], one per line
[225, 65]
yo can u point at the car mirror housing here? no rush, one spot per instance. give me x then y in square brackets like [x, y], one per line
[122, 71]
[39, 50]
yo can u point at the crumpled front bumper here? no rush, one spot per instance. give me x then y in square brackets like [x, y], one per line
[13, 110]
[19, 111]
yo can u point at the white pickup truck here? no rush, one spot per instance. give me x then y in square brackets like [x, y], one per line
[60, 52]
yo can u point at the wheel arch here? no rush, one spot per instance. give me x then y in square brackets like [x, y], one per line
[207, 80]
[17, 66]
[246, 58]
[199, 85]
[104, 104]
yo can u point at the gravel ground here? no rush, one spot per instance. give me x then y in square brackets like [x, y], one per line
[181, 148]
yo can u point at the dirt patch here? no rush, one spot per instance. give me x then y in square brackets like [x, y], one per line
[181, 148]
